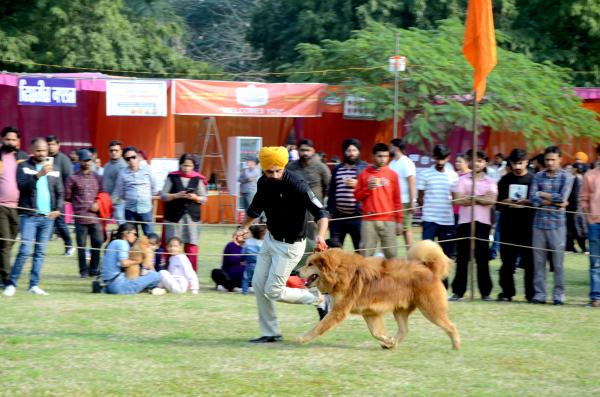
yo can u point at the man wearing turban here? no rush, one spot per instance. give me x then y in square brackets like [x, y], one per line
[285, 199]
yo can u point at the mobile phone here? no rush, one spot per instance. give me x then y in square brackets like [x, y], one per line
[189, 190]
[49, 161]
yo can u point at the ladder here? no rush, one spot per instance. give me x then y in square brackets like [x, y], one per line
[208, 146]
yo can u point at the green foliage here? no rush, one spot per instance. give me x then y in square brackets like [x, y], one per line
[522, 96]
[94, 34]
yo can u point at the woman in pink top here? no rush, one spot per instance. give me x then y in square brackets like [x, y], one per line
[461, 165]
[486, 190]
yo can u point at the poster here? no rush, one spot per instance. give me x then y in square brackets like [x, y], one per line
[160, 168]
[36, 91]
[136, 98]
[233, 98]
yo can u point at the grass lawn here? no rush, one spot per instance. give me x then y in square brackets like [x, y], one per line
[74, 343]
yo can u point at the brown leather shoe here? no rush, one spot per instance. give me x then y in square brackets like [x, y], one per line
[595, 303]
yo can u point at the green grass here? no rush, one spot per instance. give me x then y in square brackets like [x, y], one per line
[74, 343]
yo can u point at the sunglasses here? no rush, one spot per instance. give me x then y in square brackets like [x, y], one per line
[130, 158]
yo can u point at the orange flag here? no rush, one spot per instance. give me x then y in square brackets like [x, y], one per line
[480, 42]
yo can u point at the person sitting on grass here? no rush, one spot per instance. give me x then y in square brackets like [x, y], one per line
[250, 252]
[116, 257]
[159, 260]
[180, 275]
[229, 276]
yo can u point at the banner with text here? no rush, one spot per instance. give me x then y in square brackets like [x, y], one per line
[136, 98]
[35, 91]
[230, 98]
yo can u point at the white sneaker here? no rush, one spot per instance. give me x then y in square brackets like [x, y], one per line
[221, 288]
[158, 291]
[70, 251]
[37, 290]
[9, 290]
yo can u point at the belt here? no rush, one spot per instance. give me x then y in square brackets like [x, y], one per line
[112, 279]
[288, 240]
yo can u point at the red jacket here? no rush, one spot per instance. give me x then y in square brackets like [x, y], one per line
[384, 198]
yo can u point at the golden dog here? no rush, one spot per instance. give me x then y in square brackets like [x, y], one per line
[374, 286]
[141, 252]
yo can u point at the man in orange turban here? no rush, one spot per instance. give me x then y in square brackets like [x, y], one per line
[285, 199]
[581, 157]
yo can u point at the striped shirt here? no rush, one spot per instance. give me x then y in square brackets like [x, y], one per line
[438, 188]
[559, 186]
[345, 202]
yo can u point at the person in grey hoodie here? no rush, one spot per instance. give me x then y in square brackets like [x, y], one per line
[109, 178]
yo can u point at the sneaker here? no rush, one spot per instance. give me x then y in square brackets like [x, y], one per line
[267, 339]
[69, 251]
[221, 288]
[84, 275]
[158, 291]
[487, 298]
[454, 298]
[537, 302]
[251, 290]
[593, 304]
[557, 302]
[503, 298]
[9, 290]
[37, 290]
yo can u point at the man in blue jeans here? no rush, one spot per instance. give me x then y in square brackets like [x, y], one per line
[436, 186]
[135, 186]
[41, 200]
[590, 202]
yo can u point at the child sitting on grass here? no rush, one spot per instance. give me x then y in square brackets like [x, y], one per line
[159, 253]
[229, 276]
[180, 276]
[249, 254]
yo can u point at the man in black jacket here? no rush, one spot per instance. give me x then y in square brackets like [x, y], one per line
[63, 165]
[41, 201]
[285, 199]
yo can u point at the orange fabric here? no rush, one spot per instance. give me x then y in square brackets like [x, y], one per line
[295, 282]
[233, 98]
[211, 212]
[154, 135]
[331, 129]
[273, 131]
[480, 42]
[104, 209]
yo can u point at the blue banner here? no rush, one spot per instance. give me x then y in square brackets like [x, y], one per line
[34, 91]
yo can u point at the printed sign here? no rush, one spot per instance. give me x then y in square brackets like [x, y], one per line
[34, 91]
[136, 98]
[231, 98]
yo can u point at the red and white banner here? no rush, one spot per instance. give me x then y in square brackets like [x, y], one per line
[232, 98]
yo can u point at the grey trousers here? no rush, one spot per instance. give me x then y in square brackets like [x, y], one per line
[382, 231]
[273, 267]
[553, 239]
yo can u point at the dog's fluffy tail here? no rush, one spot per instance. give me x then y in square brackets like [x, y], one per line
[431, 255]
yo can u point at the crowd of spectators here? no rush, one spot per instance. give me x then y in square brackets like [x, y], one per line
[535, 207]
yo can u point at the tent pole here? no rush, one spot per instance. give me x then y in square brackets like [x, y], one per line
[397, 49]
[473, 162]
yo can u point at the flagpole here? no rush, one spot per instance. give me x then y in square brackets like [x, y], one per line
[397, 49]
[473, 162]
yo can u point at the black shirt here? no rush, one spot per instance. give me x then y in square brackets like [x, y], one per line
[286, 202]
[510, 215]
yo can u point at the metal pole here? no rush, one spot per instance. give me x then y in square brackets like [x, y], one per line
[397, 49]
[473, 161]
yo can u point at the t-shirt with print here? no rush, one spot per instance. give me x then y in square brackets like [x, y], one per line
[438, 188]
[404, 167]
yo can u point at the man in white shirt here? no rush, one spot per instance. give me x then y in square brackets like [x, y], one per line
[436, 186]
[406, 170]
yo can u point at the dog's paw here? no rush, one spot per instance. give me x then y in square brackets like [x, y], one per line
[303, 339]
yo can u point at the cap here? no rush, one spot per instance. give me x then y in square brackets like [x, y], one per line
[84, 155]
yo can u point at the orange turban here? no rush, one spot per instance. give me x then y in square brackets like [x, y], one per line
[270, 156]
[582, 156]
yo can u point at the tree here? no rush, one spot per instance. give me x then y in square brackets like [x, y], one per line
[92, 34]
[217, 33]
[522, 96]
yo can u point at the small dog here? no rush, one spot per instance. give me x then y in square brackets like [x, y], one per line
[374, 286]
[142, 254]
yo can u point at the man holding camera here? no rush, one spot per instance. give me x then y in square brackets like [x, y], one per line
[41, 197]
